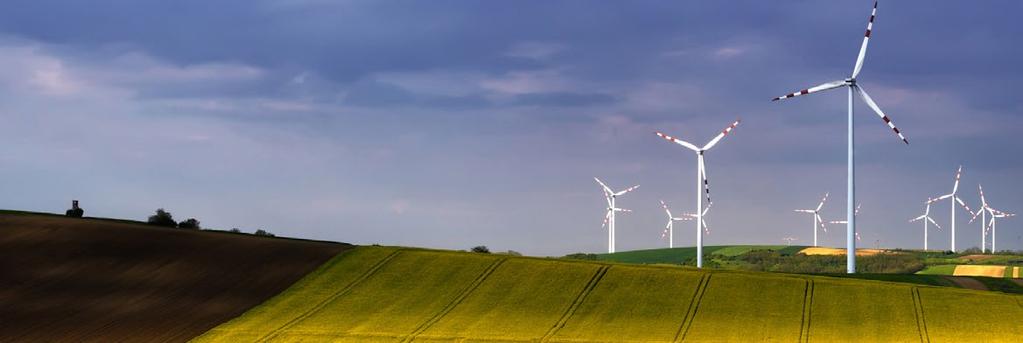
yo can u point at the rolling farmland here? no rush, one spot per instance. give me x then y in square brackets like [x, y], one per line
[391, 294]
[64, 279]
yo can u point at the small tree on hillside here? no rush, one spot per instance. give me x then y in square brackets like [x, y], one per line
[482, 249]
[162, 218]
[263, 233]
[190, 224]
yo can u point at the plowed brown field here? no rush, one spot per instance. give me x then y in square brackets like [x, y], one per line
[78, 280]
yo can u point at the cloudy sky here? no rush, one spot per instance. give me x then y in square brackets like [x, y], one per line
[450, 124]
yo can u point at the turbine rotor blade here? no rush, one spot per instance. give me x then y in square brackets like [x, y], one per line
[870, 103]
[630, 189]
[606, 188]
[703, 175]
[721, 135]
[821, 87]
[665, 206]
[866, 39]
[918, 218]
[933, 222]
[688, 145]
[821, 204]
[955, 186]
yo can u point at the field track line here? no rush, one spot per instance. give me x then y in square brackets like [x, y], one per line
[694, 305]
[455, 302]
[594, 280]
[804, 326]
[273, 334]
[918, 307]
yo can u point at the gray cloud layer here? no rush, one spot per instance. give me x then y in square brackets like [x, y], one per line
[456, 123]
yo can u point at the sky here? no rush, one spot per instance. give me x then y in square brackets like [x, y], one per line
[451, 124]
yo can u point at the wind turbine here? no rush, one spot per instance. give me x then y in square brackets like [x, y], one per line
[857, 212]
[926, 217]
[788, 240]
[669, 230]
[955, 199]
[982, 212]
[994, 229]
[701, 182]
[817, 221]
[609, 218]
[853, 87]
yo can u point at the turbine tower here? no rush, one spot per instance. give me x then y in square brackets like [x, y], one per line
[926, 217]
[817, 221]
[702, 185]
[609, 218]
[954, 199]
[994, 229]
[669, 230]
[853, 87]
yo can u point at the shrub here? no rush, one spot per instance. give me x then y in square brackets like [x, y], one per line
[190, 224]
[162, 218]
[75, 212]
[235, 230]
[482, 249]
[263, 233]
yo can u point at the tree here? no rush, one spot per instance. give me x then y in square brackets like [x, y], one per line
[235, 230]
[263, 233]
[75, 211]
[162, 218]
[482, 249]
[190, 223]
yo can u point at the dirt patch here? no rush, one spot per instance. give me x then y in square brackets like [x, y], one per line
[837, 251]
[87, 280]
[973, 270]
[1018, 281]
[967, 282]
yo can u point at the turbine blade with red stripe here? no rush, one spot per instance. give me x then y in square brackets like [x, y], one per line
[821, 87]
[870, 103]
[630, 189]
[678, 141]
[955, 186]
[866, 39]
[821, 204]
[721, 135]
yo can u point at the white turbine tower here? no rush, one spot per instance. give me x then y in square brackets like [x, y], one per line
[853, 88]
[702, 185]
[986, 224]
[817, 221]
[609, 218]
[926, 217]
[669, 230]
[954, 199]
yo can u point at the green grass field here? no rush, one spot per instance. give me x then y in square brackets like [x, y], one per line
[381, 294]
[683, 254]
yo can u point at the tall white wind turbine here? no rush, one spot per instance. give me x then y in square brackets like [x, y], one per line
[926, 217]
[817, 221]
[954, 199]
[609, 218]
[669, 230]
[853, 87]
[702, 185]
[788, 240]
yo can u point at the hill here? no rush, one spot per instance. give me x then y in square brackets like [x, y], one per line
[385, 294]
[64, 279]
[687, 255]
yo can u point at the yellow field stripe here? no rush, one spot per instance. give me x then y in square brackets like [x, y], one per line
[1015, 272]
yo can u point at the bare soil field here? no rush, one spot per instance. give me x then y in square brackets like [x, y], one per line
[90, 280]
[968, 283]
[979, 257]
[837, 251]
[975, 270]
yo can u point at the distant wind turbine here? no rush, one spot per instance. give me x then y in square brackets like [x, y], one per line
[609, 218]
[702, 185]
[954, 199]
[817, 221]
[850, 82]
[926, 217]
[983, 211]
[788, 240]
[669, 231]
